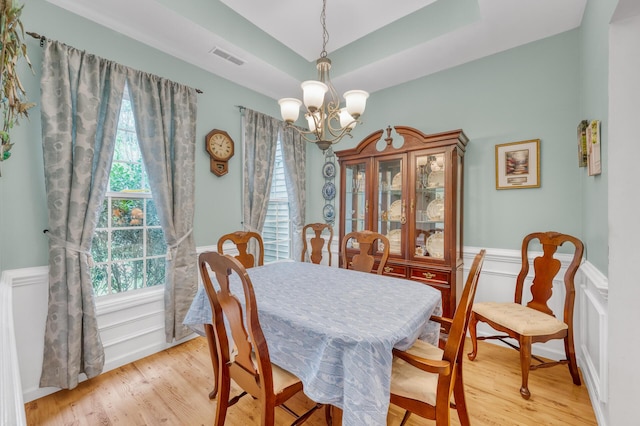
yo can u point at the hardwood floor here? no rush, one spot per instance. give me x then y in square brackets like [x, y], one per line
[171, 388]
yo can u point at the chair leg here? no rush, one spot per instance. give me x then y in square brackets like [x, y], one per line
[525, 364]
[224, 389]
[473, 322]
[327, 415]
[213, 351]
[458, 393]
[571, 357]
[268, 414]
[405, 418]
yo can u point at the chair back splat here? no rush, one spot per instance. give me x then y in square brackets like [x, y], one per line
[318, 242]
[247, 243]
[535, 321]
[369, 245]
[248, 362]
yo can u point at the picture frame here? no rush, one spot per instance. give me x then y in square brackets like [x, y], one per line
[583, 152]
[594, 165]
[518, 165]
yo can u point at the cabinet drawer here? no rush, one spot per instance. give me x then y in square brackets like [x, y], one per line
[393, 270]
[423, 274]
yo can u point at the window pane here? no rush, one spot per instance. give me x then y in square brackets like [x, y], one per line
[127, 212]
[152, 213]
[155, 242]
[276, 229]
[99, 247]
[99, 276]
[127, 276]
[126, 244]
[155, 271]
[102, 217]
[128, 230]
[126, 176]
[126, 148]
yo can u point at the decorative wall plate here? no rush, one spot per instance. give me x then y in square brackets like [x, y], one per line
[435, 209]
[435, 179]
[435, 245]
[329, 191]
[395, 240]
[395, 211]
[396, 182]
[328, 212]
[328, 170]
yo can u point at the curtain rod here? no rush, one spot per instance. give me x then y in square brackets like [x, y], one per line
[43, 38]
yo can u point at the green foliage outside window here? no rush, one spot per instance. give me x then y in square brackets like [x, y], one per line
[128, 246]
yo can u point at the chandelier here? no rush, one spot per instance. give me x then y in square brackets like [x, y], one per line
[328, 122]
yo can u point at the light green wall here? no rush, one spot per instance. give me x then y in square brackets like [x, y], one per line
[22, 196]
[594, 105]
[526, 93]
[531, 92]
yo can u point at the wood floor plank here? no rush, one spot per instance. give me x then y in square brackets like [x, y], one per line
[172, 387]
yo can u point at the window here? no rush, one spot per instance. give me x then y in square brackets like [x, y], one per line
[128, 247]
[276, 232]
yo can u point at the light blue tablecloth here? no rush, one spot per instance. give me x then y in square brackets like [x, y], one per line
[335, 330]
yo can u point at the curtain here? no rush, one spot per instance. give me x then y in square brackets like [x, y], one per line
[165, 115]
[261, 140]
[80, 103]
[294, 154]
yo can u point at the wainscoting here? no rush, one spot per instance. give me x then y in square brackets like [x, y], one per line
[132, 327]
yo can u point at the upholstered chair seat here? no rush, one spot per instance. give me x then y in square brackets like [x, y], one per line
[410, 382]
[524, 321]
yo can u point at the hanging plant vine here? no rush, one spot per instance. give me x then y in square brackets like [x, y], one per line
[13, 102]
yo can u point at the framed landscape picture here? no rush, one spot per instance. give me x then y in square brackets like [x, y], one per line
[518, 165]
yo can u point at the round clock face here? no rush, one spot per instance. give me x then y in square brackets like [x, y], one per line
[220, 146]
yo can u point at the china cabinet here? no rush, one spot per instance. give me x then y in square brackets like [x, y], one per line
[409, 189]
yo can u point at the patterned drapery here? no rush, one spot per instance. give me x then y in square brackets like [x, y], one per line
[165, 114]
[80, 103]
[260, 142]
[81, 98]
[294, 152]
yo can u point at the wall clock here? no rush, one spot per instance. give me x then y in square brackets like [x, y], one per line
[220, 147]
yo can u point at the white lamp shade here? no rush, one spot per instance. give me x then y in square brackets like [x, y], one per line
[346, 119]
[313, 94]
[311, 122]
[356, 102]
[290, 109]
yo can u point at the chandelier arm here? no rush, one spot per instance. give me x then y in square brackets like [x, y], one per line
[304, 133]
[337, 134]
[340, 131]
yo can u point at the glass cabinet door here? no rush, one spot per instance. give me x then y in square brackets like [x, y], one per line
[391, 213]
[355, 201]
[429, 206]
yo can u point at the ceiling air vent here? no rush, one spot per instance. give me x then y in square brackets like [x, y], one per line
[226, 55]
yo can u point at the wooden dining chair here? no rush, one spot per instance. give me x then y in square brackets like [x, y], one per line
[365, 259]
[424, 377]
[247, 362]
[317, 241]
[535, 321]
[242, 241]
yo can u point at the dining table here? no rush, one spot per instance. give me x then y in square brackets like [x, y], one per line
[335, 329]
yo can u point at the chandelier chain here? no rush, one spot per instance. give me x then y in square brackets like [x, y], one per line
[325, 33]
[328, 123]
